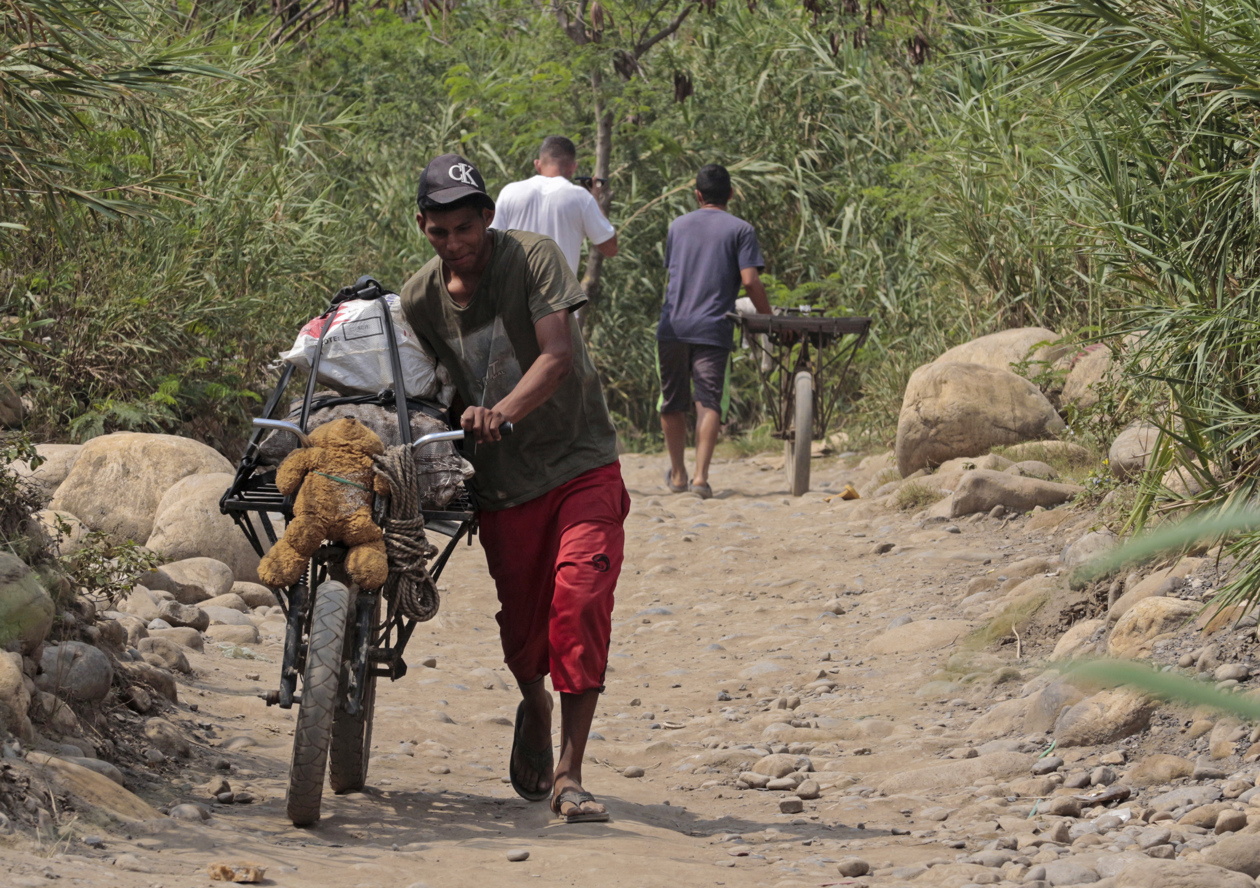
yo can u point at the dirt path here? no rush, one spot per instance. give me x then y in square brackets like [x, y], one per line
[725, 648]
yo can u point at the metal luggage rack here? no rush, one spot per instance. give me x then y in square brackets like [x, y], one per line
[334, 723]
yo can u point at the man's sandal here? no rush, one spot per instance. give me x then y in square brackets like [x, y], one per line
[577, 798]
[669, 482]
[541, 762]
[704, 491]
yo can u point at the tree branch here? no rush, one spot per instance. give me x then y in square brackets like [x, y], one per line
[664, 32]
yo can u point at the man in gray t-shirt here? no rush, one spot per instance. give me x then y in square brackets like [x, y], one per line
[710, 254]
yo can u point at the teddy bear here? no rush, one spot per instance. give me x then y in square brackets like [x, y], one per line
[334, 481]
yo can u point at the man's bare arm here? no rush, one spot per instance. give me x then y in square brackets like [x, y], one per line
[608, 247]
[755, 290]
[537, 385]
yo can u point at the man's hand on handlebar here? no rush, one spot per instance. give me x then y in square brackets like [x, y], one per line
[483, 423]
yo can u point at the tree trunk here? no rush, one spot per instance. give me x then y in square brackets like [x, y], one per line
[603, 154]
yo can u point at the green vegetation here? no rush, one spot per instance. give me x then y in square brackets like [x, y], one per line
[181, 187]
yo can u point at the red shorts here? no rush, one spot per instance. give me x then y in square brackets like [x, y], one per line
[555, 562]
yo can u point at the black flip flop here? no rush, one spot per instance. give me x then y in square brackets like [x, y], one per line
[541, 762]
[577, 797]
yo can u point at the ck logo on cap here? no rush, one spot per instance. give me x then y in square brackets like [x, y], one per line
[462, 172]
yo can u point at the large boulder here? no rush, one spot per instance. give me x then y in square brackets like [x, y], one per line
[996, 767]
[1008, 347]
[951, 410]
[57, 531]
[1106, 717]
[1132, 450]
[58, 459]
[981, 490]
[118, 480]
[1179, 874]
[26, 608]
[192, 580]
[1146, 620]
[255, 595]
[1094, 544]
[1079, 641]
[1237, 853]
[179, 615]
[188, 524]
[75, 671]
[1081, 388]
[15, 699]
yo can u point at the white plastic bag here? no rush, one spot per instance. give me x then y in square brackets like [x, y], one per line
[356, 352]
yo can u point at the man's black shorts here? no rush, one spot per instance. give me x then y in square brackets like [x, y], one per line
[682, 365]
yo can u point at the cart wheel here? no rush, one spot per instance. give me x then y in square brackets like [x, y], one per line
[319, 701]
[352, 734]
[796, 451]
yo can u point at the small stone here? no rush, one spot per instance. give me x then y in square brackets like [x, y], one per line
[252, 676]
[791, 806]
[1102, 776]
[1047, 765]
[1230, 822]
[1207, 772]
[193, 813]
[439, 769]
[754, 780]
[633, 771]
[94, 841]
[225, 798]
[1113, 758]
[516, 855]
[244, 797]
[850, 867]
[1063, 806]
[809, 789]
[1231, 672]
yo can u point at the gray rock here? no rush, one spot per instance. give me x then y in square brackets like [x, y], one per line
[1106, 717]
[226, 616]
[516, 855]
[791, 806]
[1231, 672]
[191, 580]
[1102, 776]
[1047, 765]
[1239, 853]
[190, 812]
[26, 608]
[166, 654]
[1087, 548]
[952, 409]
[781, 764]
[1185, 797]
[143, 466]
[982, 491]
[1069, 872]
[1179, 874]
[188, 524]
[15, 697]
[1132, 449]
[809, 789]
[75, 671]
[851, 867]
[188, 615]
[167, 738]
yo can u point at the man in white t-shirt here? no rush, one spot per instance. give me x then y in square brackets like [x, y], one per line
[551, 205]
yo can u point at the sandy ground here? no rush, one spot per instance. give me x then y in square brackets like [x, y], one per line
[725, 598]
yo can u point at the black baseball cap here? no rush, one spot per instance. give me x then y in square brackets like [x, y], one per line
[449, 178]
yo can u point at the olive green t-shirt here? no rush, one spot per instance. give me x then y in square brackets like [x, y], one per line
[490, 343]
